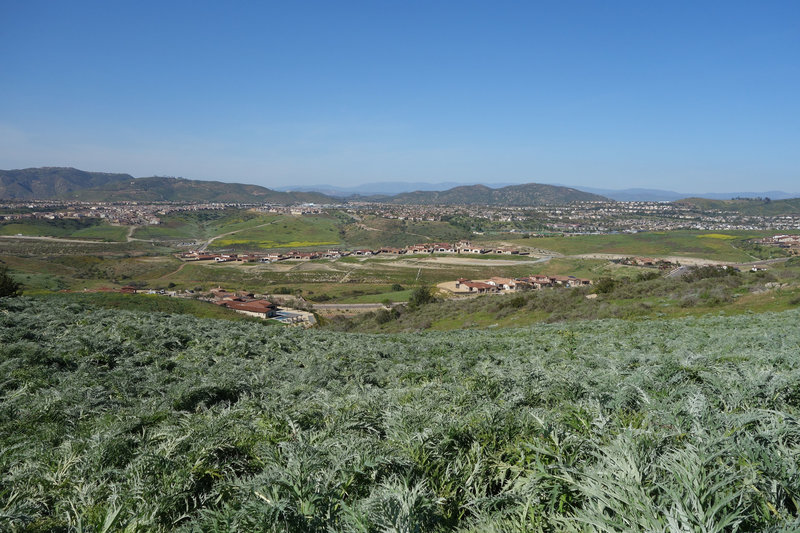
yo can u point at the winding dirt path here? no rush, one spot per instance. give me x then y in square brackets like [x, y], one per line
[165, 276]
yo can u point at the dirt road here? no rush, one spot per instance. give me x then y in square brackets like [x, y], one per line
[55, 239]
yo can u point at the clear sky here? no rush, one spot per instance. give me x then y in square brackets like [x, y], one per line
[683, 95]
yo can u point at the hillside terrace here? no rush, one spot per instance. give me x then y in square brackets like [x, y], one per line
[496, 285]
[462, 247]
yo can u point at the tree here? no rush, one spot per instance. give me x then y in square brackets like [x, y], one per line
[8, 285]
[422, 295]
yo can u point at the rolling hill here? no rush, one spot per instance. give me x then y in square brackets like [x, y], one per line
[52, 182]
[513, 195]
[180, 189]
[746, 206]
[73, 184]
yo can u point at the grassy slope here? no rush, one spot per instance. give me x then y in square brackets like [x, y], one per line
[200, 225]
[775, 290]
[708, 245]
[153, 422]
[83, 229]
[747, 207]
[375, 232]
[283, 232]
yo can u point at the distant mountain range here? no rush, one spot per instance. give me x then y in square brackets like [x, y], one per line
[387, 188]
[622, 195]
[658, 195]
[73, 184]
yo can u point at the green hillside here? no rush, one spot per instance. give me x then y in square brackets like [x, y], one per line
[88, 228]
[185, 190]
[74, 184]
[759, 206]
[51, 182]
[113, 420]
[728, 246]
[513, 195]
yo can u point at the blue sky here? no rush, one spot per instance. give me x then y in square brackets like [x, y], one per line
[688, 96]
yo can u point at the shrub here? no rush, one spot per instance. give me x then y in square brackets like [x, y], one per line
[420, 296]
[9, 287]
[605, 285]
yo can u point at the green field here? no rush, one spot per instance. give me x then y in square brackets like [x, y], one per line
[103, 232]
[143, 421]
[673, 243]
[201, 225]
[284, 232]
[375, 232]
[66, 228]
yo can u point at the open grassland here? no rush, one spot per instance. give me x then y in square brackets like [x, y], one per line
[103, 232]
[245, 230]
[704, 245]
[66, 228]
[113, 420]
[283, 232]
[51, 248]
[375, 232]
[88, 271]
[201, 225]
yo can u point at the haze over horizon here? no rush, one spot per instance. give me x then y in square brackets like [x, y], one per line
[684, 97]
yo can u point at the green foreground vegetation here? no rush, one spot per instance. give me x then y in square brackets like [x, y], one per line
[117, 420]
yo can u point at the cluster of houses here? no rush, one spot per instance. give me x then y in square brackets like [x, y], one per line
[462, 247]
[498, 284]
[244, 302]
[662, 264]
[790, 242]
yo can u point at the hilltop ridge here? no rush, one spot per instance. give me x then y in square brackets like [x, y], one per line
[67, 183]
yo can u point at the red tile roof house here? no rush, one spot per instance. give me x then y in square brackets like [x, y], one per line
[480, 287]
[570, 281]
[460, 282]
[397, 251]
[444, 248]
[506, 284]
[469, 249]
[302, 255]
[506, 251]
[538, 281]
[420, 248]
[197, 256]
[259, 308]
